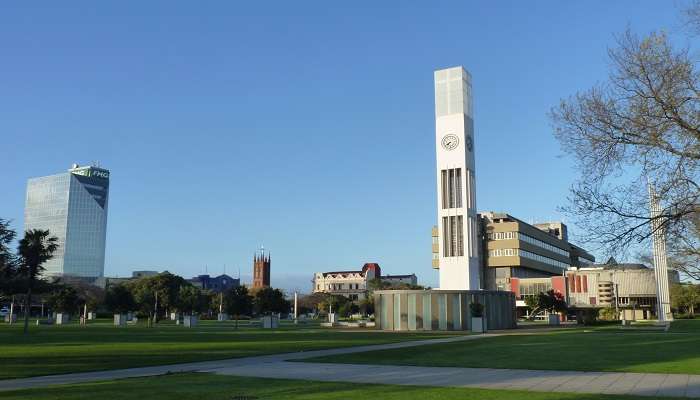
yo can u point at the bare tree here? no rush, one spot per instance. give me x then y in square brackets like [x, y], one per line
[641, 126]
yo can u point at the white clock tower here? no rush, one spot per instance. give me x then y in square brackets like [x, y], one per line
[456, 197]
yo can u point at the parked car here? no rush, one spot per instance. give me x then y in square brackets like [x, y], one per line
[4, 311]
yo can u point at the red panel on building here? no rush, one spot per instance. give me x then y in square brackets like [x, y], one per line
[572, 283]
[585, 283]
[578, 284]
[559, 284]
[515, 287]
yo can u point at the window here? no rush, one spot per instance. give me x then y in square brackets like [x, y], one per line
[527, 239]
[453, 236]
[443, 187]
[451, 187]
[529, 255]
[460, 236]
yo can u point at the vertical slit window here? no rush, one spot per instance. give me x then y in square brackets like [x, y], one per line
[451, 189]
[453, 233]
[458, 187]
[443, 187]
[467, 176]
[445, 237]
[460, 236]
[472, 193]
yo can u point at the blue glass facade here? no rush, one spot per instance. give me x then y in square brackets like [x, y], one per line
[73, 207]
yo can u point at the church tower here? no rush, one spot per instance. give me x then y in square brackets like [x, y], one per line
[261, 270]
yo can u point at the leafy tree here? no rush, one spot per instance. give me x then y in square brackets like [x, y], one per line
[64, 299]
[92, 295]
[345, 309]
[366, 306]
[532, 303]
[34, 250]
[119, 300]
[608, 313]
[238, 302]
[685, 297]
[640, 126]
[144, 297]
[269, 300]
[156, 293]
[311, 302]
[191, 300]
[167, 287]
[8, 270]
[550, 302]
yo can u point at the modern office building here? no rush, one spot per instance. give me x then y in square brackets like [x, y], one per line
[73, 207]
[354, 284]
[457, 243]
[512, 249]
[261, 270]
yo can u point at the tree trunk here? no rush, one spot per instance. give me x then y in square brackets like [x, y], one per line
[27, 308]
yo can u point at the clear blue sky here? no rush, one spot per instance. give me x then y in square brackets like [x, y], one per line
[303, 127]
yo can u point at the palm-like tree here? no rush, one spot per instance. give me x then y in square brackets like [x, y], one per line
[35, 249]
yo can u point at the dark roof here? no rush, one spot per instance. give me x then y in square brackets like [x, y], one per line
[341, 272]
[398, 276]
[621, 266]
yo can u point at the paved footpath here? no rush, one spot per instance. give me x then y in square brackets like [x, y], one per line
[279, 366]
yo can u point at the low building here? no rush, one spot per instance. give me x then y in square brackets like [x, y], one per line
[397, 280]
[143, 274]
[354, 284]
[215, 284]
[631, 288]
[351, 284]
[106, 281]
[444, 310]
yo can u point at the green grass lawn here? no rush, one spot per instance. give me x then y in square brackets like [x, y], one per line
[101, 346]
[216, 387]
[594, 349]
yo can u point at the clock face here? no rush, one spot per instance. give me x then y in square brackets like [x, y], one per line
[450, 141]
[470, 143]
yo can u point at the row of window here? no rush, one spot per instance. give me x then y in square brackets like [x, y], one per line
[451, 188]
[452, 236]
[533, 288]
[339, 286]
[527, 239]
[584, 262]
[451, 184]
[527, 254]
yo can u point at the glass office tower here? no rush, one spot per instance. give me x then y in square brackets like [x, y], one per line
[73, 207]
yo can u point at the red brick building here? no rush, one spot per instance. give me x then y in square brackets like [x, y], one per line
[261, 270]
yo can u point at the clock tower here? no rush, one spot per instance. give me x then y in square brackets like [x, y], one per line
[458, 242]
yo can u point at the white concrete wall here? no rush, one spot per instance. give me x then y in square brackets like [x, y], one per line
[454, 116]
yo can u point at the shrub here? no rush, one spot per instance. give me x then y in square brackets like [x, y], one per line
[477, 310]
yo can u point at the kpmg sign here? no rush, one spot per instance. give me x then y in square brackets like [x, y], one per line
[91, 172]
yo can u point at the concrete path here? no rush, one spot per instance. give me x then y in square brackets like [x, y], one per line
[278, 366]
[672, 385]
[81, 377]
